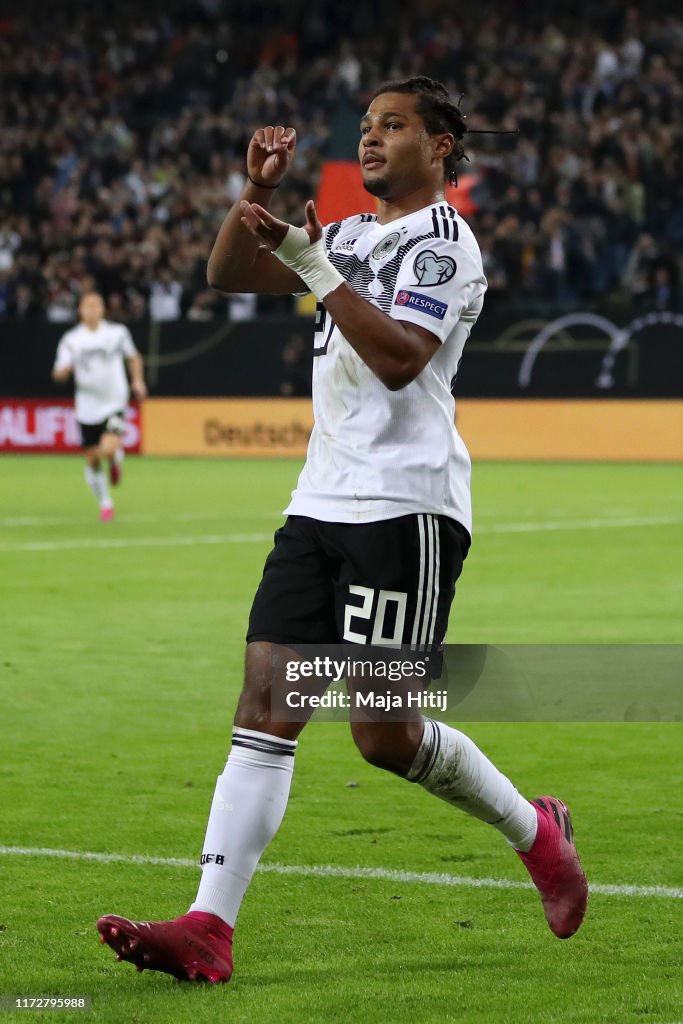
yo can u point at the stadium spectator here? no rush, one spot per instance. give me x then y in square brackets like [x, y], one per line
[242, 307]
[205, 306]
[23, 305]
[652, 276]
[663, 291]
[165, 296]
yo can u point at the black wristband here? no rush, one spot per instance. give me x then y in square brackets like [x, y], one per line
[259, 184]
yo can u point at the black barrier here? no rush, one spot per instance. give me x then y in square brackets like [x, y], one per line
[578, 355]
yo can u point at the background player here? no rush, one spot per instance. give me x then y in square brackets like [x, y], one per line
[381, 514]
[97, 352]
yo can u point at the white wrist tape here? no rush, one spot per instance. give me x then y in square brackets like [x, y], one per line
[309, 262]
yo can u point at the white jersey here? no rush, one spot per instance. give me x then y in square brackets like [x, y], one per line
[378, 454]
[97, 359]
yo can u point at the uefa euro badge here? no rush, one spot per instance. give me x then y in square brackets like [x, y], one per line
[386, 246]
[431, 269]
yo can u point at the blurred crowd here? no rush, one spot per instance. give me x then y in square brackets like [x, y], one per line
[124, 127]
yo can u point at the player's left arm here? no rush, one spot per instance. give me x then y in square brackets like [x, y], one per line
[135, 365]
[136, 372]
[395, 350]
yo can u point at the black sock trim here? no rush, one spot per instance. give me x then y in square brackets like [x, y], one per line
[436, 747]
[263, 748]
[434, 742]
[285, 748]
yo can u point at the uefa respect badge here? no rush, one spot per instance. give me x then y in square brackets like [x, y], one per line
[421, 303]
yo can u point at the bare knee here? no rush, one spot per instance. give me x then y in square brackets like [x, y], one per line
[92, 457]
[391, 746]
[264, 667]
[109, 444]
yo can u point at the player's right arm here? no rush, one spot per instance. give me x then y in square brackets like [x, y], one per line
[239, 262]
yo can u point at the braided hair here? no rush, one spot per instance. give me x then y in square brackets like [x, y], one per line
[439, 114]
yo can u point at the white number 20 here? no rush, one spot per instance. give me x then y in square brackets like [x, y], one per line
[364, 611]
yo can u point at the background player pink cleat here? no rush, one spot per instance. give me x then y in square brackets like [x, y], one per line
[106, 514]
[114, 473]
[555, 868]
[193, 947]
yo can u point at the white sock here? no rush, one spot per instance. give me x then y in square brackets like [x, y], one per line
[449, 765]
[103, 487]
[97, 482]
[118, 455]
[248, 806]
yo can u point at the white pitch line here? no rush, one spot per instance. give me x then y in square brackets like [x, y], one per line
[135, 542]
[580, 524]
[336, 871]
[84, 543]
[190, 517]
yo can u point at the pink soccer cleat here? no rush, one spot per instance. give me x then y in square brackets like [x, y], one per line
[555, 868]
[106, 514]
[114, 473]
[193, 947]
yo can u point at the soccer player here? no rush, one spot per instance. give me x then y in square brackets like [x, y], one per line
[380, 517]
[97, 352]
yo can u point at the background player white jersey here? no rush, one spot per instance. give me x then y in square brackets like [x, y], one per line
[96, 356]
[97, 353]
[424, 268]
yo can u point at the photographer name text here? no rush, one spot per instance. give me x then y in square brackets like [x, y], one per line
[435, 700]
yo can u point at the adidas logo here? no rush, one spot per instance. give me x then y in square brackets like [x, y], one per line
[221, 804]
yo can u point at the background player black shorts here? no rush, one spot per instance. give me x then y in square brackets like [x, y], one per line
[92, 432]
[387, 582]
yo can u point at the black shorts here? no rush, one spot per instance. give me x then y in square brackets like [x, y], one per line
[92, 432]
[387, 582]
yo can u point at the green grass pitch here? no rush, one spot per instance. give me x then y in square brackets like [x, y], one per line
[120, 661]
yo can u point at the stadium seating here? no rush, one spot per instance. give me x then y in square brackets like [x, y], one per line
[125, 132]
